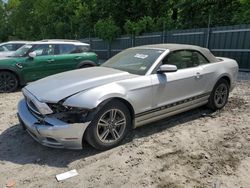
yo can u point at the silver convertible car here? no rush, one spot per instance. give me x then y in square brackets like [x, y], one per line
[135, 87]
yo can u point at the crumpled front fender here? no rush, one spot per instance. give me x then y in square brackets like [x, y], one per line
[91, 98]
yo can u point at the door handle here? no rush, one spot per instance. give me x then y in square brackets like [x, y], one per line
[78, 58]
[198, 75]
[50, 60]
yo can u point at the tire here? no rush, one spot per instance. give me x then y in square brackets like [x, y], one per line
[85, 66]
[105, 132]
[8, 82]
[219, 95]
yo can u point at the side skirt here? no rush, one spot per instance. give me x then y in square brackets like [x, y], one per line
[166, 112]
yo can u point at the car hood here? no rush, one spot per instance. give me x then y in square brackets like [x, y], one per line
[57, 87]
[7, 61]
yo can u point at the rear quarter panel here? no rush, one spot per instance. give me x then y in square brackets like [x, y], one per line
[215, 71]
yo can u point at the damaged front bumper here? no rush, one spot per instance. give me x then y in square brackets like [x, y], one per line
[50, 131]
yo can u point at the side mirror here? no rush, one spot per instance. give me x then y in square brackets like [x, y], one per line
[167, 68]
[32, 54]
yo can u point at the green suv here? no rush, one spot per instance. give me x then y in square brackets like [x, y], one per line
[40, 59]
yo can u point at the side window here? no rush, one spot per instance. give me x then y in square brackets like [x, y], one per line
[2, 49]
[66, 48]
[182, 59]
[81, 49]
[185, 59]
[10, 47]
[44, 49]
[17, 46]
[200, 58]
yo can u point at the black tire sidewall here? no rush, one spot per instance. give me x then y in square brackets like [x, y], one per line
[85, 66]
[91, 134]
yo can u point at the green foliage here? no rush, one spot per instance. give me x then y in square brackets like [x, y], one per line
[3, 23]
[39, 19]
[242, 16]
[145, 24]
[106, 29]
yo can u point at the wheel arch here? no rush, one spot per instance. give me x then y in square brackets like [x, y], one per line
[102, 104]
[122, 100]
[18, 76]
[129, 106]
[227, 78]
[211, 100]
[86, 62]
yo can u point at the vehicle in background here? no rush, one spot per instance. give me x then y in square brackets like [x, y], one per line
[135, 87]
[8, 48]
[39, 59]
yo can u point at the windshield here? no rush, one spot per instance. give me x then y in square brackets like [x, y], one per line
[22, 51]
[134, 61]
[3, 49]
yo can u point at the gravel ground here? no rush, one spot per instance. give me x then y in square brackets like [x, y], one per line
[194, 149]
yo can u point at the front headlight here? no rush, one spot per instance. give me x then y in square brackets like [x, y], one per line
[68, 114]
[44, 109]
[59, 108]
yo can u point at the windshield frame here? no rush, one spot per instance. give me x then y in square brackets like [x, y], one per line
[153, 64]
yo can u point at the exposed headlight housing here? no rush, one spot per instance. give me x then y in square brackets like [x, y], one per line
[68, 114]
[35, 105]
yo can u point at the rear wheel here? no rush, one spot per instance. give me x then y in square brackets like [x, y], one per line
[219, 95]
[109, 126]
[8, 82]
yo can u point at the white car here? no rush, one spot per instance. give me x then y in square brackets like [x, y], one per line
[135, 87]
[8, 48]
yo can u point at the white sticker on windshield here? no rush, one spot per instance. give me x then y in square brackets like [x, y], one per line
[141, 56]
[143, 68]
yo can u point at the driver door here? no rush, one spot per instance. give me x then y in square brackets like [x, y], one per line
[175, 88]
[41, 65]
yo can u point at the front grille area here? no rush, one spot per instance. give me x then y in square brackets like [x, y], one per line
[33, 109]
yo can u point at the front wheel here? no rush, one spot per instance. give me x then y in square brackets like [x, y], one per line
[219, 95]
[8, 82]
[109, 126]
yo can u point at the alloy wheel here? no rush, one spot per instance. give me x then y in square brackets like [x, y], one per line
[8, 82]
[221, 95]
[111, 126]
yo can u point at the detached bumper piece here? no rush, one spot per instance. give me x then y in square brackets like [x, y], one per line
[49, 131]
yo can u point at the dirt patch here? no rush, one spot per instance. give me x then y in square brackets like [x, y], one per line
[199, 148]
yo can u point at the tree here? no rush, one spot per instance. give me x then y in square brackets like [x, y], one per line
[242, 16]
[145, 24]
[39, 19]
[2, 21]
[4, 26]
[107, 30]
[193, 14]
